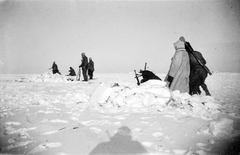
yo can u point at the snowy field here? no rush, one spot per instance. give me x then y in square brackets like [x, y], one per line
[50, 114]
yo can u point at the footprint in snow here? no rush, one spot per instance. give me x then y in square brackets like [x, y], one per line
[45, 146]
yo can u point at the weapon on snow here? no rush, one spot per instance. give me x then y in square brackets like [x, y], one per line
[136, 76]
[204, 66]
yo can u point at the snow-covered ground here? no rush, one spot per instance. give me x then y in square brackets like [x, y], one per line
[50, 114]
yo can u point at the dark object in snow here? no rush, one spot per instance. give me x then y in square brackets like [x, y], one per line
[71, 72]
[115, 85]
[148, 75]
[197, 57]
[84, 66]
[90, 68]
[136, 76]
[55, 68]
[198, 70]
[198, 75]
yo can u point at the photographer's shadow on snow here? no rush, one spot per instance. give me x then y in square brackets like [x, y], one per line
[120, 143]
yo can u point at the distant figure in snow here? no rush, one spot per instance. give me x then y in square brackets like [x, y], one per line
[148, 75]
[90, 68]
[198, 74]
[71, 72]
[84, 66]
[55, 68]
[179, 71]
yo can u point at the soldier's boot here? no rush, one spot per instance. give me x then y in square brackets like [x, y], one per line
[204, 87]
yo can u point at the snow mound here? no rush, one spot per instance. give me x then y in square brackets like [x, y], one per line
[205, 107]
[149, 93]
[153, 95]
[46, 77]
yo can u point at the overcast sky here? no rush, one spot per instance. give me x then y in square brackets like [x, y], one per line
[119, 36]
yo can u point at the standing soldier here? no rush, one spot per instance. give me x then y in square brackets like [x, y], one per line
[84, 66]
[198, 74]
[178, 74]
[198, 70]
[90, 68]
[55, 68]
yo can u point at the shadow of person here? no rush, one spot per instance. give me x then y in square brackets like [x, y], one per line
[120, 143]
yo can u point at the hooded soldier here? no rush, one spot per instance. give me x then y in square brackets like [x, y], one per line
[179, 71]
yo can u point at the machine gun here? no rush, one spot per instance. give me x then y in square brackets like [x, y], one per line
[146, 75]
[138, 75]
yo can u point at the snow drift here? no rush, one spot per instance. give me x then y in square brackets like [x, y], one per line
[154, 93]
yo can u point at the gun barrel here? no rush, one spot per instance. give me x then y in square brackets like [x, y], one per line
[145, 67]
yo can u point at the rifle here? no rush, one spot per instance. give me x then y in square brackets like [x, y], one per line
[136, 76]
[204, 66]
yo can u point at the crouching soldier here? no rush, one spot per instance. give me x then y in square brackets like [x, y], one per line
[71, 72]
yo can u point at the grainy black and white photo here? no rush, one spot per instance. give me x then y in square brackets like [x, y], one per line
[121, 77]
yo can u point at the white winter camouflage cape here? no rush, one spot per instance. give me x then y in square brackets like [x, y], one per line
[179, 69]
